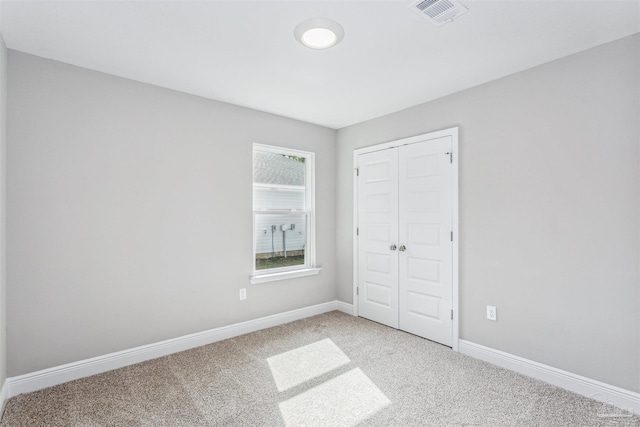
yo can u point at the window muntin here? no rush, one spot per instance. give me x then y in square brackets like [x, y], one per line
[283, 220]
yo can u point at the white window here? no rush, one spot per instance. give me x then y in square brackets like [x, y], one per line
[283, 213]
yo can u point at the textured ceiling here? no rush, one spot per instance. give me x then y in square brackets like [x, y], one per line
[243, 52]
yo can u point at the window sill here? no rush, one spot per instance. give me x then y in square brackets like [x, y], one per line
[264, 278]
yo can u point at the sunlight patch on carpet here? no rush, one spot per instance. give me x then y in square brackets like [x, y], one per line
[302, 364]
[346, 400]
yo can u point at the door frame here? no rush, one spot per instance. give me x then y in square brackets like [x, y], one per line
[453, 133]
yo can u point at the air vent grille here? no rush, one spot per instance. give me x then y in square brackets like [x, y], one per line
[425, 4]
[439, 12]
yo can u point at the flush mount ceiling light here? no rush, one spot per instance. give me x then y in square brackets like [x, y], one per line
[319, 33]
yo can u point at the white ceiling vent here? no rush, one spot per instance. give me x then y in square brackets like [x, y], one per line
[438, 12]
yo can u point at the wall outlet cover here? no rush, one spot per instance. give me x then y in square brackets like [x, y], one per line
[492, 313]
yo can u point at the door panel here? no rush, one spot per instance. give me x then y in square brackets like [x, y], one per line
[404, 199]
[425, 267]
[378, 230]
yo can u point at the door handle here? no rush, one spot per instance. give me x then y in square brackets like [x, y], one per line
[393, 247]
[402, 248]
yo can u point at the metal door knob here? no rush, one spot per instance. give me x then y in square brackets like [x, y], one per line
[402, 248]
[393, 247]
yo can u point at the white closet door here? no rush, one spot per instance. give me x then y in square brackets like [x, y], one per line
[425, 247]
[378, 234]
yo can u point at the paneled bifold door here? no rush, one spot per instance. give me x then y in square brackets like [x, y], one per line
[404, 225]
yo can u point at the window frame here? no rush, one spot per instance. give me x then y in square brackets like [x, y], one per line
[309, 267]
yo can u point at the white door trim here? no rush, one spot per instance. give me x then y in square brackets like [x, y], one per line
[453, 133]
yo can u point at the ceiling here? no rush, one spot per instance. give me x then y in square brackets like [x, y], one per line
[244, 52]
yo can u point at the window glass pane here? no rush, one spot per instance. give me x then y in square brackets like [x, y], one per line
[280, 240]
[278, 181]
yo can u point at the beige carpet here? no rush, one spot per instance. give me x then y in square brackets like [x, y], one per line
[328, 370]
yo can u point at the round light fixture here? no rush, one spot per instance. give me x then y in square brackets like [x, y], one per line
[319, 33]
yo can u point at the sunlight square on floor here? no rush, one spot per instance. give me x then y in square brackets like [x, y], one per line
[302, 364]
[345, 400]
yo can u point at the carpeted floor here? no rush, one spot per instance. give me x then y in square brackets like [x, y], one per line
[326, 370]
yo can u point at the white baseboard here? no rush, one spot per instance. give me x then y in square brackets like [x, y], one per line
[344, 307]
[72, 371]
[624, 399]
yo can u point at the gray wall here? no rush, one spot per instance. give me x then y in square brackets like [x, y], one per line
[130, 210]
[549, 209]
[3, 211]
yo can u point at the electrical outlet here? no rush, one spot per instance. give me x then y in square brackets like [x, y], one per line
[243, 293]
[492, 313]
